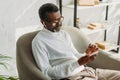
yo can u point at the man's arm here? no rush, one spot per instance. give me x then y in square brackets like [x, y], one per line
[83, 58]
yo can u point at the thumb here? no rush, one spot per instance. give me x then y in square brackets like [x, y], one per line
[93, 57]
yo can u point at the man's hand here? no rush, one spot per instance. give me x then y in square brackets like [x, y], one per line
[91, 49]
[88, 58]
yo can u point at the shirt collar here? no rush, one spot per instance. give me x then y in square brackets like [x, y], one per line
[50, 32]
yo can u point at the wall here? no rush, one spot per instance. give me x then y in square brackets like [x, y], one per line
[7, 30]
[16, 18]
[17, 14]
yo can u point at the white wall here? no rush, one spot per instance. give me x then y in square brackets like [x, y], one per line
[16, 18]
[27, 18]
[16, 14]
[27, 14]
[7, 29]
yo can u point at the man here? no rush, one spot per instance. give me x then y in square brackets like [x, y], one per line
[56, 56]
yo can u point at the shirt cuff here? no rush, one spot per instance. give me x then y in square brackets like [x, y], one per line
[76, 68]
[75, 64]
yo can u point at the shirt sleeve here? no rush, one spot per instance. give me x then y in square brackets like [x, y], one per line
[77, 54]
[51, 72]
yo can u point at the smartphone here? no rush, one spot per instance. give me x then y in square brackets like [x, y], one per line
[94, 53]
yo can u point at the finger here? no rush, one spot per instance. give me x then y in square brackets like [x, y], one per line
[89, 46]
[97, 48]
[94, 46]
[88, 53]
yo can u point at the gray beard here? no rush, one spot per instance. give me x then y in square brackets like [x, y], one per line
[57, 29]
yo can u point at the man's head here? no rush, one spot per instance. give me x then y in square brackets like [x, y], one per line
[50, 17]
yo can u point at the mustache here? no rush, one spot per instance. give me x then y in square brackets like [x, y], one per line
[59, 24]
[57, 28]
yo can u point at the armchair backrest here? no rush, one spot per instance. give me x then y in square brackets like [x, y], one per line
[79, 39]
[27, 69]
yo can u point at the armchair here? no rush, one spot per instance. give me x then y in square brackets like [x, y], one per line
[28, 70]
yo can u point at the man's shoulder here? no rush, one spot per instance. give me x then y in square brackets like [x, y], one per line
[37, 37]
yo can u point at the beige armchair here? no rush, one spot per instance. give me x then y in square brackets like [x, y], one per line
[28, 70]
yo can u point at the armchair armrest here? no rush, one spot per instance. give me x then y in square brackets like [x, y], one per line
[105, 61]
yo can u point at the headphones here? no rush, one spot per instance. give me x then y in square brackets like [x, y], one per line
[44, 23]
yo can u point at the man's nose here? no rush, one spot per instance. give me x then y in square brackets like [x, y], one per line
[60, 23]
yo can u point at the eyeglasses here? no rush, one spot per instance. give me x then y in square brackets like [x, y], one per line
[56, 21]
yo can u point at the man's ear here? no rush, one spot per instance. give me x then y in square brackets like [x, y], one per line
[42, 21]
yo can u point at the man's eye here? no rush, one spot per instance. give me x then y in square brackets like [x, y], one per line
[54, 22]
